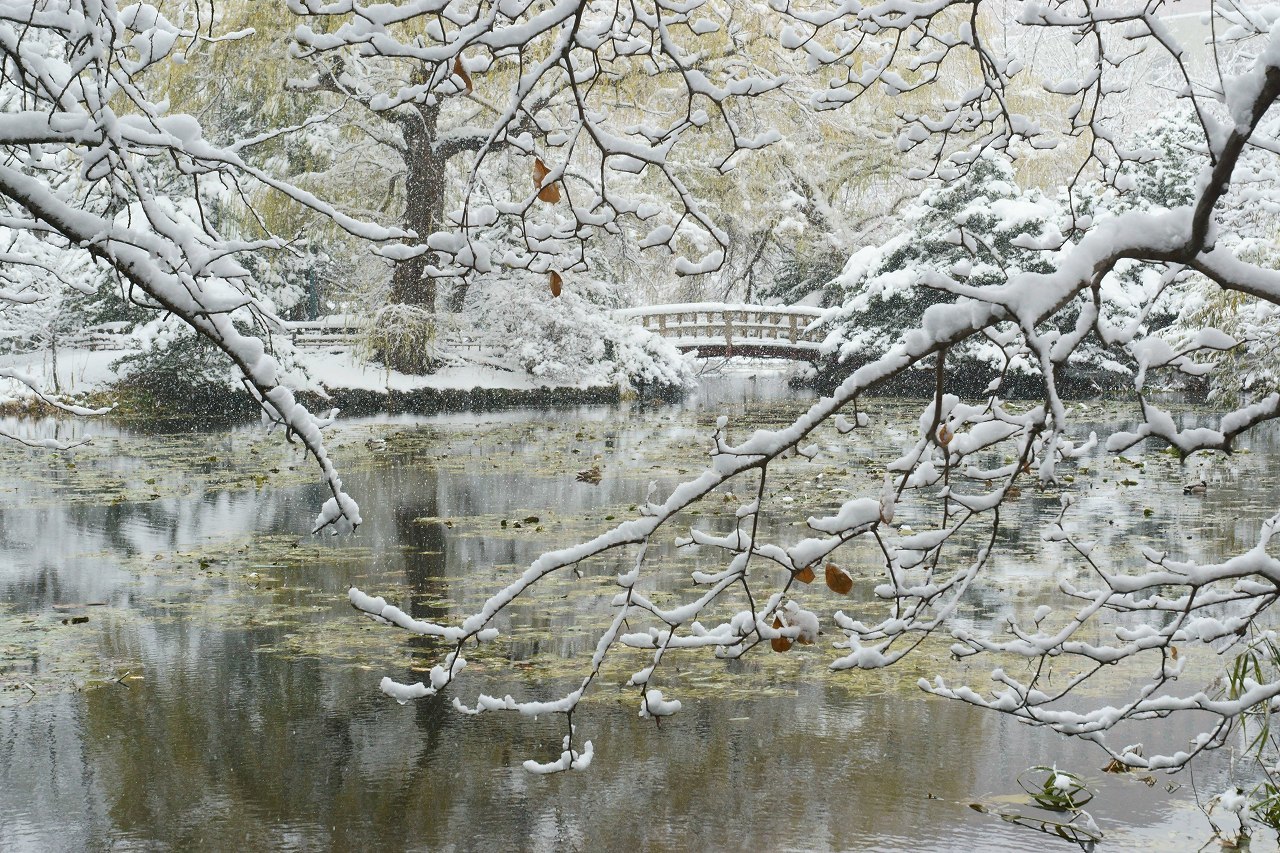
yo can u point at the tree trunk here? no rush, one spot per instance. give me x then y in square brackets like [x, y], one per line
[423, 212]
[459, 296]
[405, 342]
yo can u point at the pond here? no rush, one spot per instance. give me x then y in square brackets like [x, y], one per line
[180, 669]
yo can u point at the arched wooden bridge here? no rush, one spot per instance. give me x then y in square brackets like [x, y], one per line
[713, 329]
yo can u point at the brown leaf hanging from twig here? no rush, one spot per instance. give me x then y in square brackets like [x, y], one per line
[461, 71]
[551, 192]
[779, 644]
[838, 579]
[556, 281]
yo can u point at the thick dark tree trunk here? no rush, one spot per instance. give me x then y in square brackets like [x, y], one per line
[405, 344]
[424, 211]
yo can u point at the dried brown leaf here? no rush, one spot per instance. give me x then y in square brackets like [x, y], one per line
[551, 192]
[779, 644]
[461, 72]
[838, 579]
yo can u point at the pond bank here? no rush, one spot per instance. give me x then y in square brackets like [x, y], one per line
[969, 379]
[90, 378]
[429, 400]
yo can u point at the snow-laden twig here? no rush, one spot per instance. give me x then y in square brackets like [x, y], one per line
[949, 473]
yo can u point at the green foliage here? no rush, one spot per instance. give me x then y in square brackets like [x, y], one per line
[801, 275]
[1259, 663]
[963, 223]
[1054, 789]
[1164, 176]
[186, 379]
[166, 368]
[1266, 804]
[1172, 159]
[106, 304]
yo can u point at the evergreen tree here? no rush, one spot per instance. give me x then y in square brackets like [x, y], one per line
[978, 230]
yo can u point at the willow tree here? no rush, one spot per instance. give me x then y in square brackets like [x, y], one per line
[490, 83]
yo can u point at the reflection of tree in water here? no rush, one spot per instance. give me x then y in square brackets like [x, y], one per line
[425, 549]
[224, 746]
[243, 745]
[424, 546]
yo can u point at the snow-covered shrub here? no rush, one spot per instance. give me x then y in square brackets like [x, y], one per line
[404, 336]
[572, 337]
[180, 374]
[172, 357]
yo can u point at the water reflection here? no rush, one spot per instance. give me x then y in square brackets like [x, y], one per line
[253, 727]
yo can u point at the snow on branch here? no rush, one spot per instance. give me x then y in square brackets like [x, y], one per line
[95, 166]
[591, 100]
[969, 458]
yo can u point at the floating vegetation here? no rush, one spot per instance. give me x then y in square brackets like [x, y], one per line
[500, 489]
[60, 650]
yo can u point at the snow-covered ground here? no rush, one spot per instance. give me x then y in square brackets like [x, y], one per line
[342, 369]
[82, 371]
[79, 371]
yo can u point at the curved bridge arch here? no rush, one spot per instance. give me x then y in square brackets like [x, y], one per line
[715, 329]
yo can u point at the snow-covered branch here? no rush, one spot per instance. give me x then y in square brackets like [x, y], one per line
[969, 458]
[94, 164]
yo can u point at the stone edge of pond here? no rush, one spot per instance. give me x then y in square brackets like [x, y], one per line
[425, 401]
[206, 405]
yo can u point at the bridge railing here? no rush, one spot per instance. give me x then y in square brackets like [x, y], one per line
[104, 336]
[777, 325]
[338, 330]
[347, 330]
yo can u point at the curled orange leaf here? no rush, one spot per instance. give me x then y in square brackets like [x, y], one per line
[551, 192]
[461, 72]
[838, 579]
[779, 644]
[805, 575]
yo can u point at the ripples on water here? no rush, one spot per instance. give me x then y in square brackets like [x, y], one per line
[222, 695]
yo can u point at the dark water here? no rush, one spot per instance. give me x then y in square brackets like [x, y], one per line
[221, 694]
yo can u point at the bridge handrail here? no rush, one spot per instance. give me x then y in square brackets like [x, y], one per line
[332, 321]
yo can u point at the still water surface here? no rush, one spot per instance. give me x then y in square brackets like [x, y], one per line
[179, 668]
